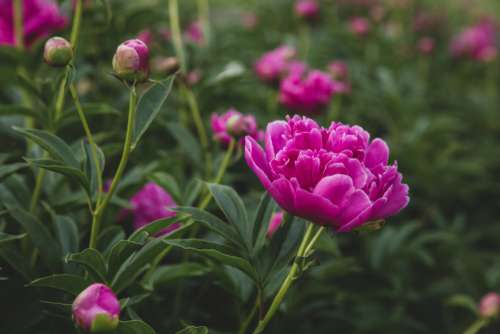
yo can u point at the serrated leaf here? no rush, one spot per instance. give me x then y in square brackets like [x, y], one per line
[71, 284]
[93, 261]
[149, 106]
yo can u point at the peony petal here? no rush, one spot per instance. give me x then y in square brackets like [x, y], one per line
[315, 208]
[397, 199]
[256, 160]
[276, 137]
[335, 188]
[357, 203]
[284, 194]
[377, 153]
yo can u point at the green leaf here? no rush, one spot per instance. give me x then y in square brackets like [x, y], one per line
[234, 210]
[168, 182]
[225, 230]
[54, 145]
[149, 106]
[109, 237]
[67, 233]
[90, 167]
[187, 142]
[166, 274]
[231, 71]
[71, 284]
[93, 261]
[136, 264]
[223, 254]
[119, 253]
[152, 228]
[9, 109]
[463, 301]
[134, 327]
[194, 330]
[40, 236]
[7, 170]
[261, 221]
[6, 238]
[192, 192]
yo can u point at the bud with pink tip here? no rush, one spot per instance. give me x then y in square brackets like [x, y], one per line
[275, 223]
[96, 309]
[359, 26]
[57, 52]
[490, 305]
[307, 9]
[131, 61]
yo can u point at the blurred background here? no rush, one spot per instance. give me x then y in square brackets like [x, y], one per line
[423, 75]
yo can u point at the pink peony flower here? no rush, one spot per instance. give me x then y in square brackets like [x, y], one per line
[233, 122]
[151, 203]
[359, 26]
[275, 223]
[307, 9]
[331, 176]
[194, 33]
[309, 94]
[489, 305]
[40, 19]
[273, 64]
[426, 45]
[477, 42]
[131, 60]
[96, 309]
[338, 69]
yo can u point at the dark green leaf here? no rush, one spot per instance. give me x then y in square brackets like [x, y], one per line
[61, 168]
[187, 142]
[168, 182]
[67, 233]
[149, 106]
[166, 274]
[154, 227]
[6, 110]
[6, 238]
[93, 261]
[92, 172]
[71, 284]
[119, 253]
[194, 330]
[261, 220]
[7, 170]
[134, 327]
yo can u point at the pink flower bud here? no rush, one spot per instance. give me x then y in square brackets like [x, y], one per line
[307, 9]
[57, 52]
[426, 45]
[96, 309]
[359, 26]
[338, 69]
[131, 61]
[275, 223]
[233, 124]
[490, 305]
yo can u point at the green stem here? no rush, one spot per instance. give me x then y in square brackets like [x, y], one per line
[175, 27]
[286, 283]
[477, 326]
[313, 240]
[204, 18]
[90, 139]
[248, 320]
[37, 190]
[127, 147]
[77, 21]
[18, 24]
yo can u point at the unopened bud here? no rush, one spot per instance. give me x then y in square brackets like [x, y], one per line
[165, 65]
[131, 61]
[57, 52]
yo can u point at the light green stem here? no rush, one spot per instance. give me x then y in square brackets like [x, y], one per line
[18, 24]
[175, 27]
[90, 139]
[127, 147]
[204, 18]
[287, 282]
[313, 240]
[77, 20]
[477, 326]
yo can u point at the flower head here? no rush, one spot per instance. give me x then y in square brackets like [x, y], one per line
[490, 305]
[57, 52]
[131, 61]
[307, 9]
[233, 124]
[151, 203]
[359, 26]
[309, 94]
[477, 42]
[331, 176]
[40, 18]
[194, 33]
[96, 309]
[273, 64]
[275, 223]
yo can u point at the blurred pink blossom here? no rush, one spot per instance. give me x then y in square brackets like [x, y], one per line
[478, 42]
[273, 64]
[307, 9]
[359, 26]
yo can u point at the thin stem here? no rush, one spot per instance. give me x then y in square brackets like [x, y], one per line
[77, 20]
[18, 24]
[313, 240]
[477, 326]
[37, 190]
[61, 94]
[248, 320]
[127, 147]
[175, 27]
[286, 283]
[90, 139]
[204, 18]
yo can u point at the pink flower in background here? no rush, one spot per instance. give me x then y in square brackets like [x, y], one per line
[426, 45]
[273, 64]
[194, 33]
[331, 176]
[342, 87]
[96, 309]
[165, 34]
[427, 22]
[489, 305]
[249, 20]
[193, 77]
[309, 94]
[146, 36]
[151, 203]
[307, 9]
[225, 126]
[41, 18]
[338, 69]
[359, 26]
[477, 42]
[295, 67]
[275, 223]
